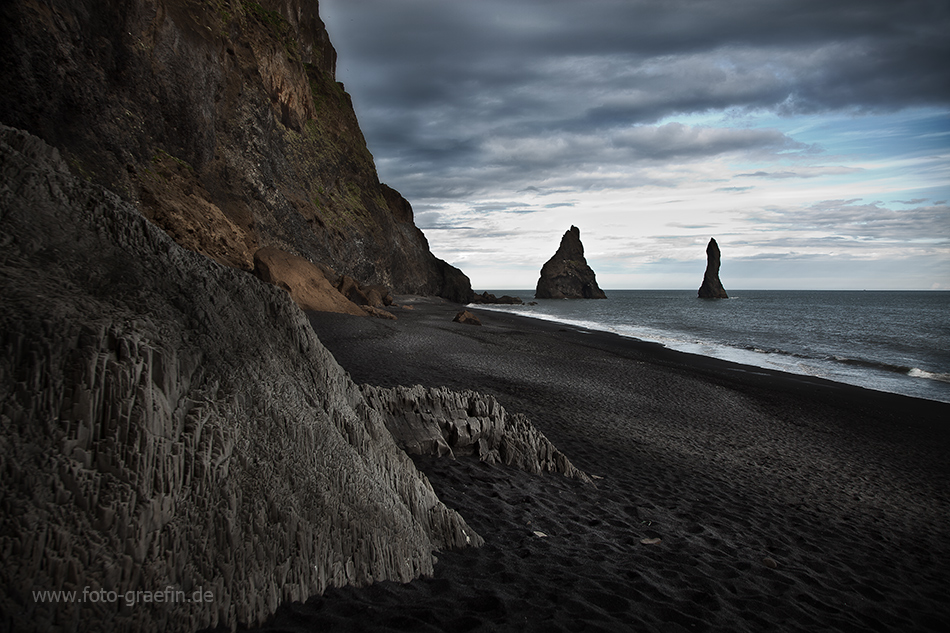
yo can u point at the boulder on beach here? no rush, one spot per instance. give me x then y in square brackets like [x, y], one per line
[371, 299]
[566, 275]
[712, 287]
[467, 318]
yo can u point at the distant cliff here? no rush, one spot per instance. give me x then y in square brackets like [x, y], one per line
[223, 123]
[566, 275]
[711, 287]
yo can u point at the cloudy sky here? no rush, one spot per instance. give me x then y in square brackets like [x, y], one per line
[811, 138]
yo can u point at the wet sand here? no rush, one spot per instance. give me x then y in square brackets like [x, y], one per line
[726, 498]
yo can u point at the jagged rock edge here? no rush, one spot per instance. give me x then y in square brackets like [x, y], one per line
[444, 423]
[139, 448]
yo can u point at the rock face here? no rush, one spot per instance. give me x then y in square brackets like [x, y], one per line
[440, 422]
[566, 275]
[466, 317]
[487, 297]
[223, 123]
[711, 287]
[168, 422]
[304, 281]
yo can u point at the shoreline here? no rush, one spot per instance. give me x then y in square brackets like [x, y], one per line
[727, 497]
[704, 361]
[435, 310]
[909, 381]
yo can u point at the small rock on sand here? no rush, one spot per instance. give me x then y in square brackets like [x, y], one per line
[467, 317]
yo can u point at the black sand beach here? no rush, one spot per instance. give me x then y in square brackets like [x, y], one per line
[727, 498]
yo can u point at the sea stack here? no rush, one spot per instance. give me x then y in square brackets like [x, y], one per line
[712, 287]
[566, 275]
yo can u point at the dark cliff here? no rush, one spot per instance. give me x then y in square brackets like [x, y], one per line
[167, 422]
[171, 425]
[566, 275]
[222, 122]
[711, 287]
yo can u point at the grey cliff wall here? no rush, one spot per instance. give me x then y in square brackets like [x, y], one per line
[168, 422]
[222, 122]
[711, 287]
[566, 275]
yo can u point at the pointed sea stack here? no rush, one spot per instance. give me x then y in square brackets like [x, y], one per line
[712, 287]
[566, 275]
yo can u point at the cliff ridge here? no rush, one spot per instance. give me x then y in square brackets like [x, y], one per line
[172, 423]
[223, 123]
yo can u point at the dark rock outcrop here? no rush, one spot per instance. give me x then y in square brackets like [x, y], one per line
[466, 317]
[711, 287]
[376, 296]
[566, 275]
[166, 421]
[441, 422]
[223, 123]
[487, 297]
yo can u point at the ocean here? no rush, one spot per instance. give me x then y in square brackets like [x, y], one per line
[895, 341]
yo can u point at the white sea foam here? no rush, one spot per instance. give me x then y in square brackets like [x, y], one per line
[887, 341]
[929, 375]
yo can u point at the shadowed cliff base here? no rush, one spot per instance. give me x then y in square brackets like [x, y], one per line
[727, 498]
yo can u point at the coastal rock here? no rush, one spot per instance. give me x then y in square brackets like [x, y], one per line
[378, 295]
[566, 275]
[169, 422]
[371, 299]
[711, 287]
[223, 123]
[445, 423]
[305, 282]
[467, 318]
[453, 285]
[375, 296]
[487, 297]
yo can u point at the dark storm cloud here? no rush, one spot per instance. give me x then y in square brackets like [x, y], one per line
[462, 91]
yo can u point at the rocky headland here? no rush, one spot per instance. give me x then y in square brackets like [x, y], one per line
[711, 287]
[223, 123]
[178, 179]
[566, 275]
[170, 424]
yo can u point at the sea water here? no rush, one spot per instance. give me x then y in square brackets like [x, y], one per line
[890, 341]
